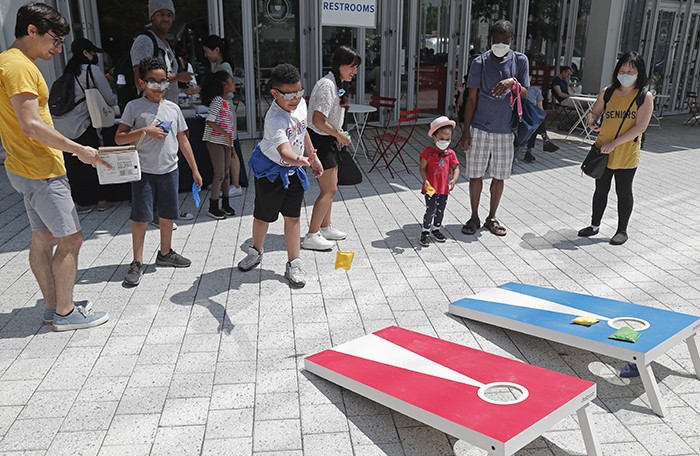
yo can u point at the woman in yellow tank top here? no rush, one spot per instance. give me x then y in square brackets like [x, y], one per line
[629, 78]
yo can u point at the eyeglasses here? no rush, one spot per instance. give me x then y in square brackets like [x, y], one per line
[290, 95]
[57, 41]
[158, 85]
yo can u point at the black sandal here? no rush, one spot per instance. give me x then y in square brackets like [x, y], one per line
[494, 227]
[471, 226]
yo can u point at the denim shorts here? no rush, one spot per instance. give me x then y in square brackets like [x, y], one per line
[158, 189]
[49, 204]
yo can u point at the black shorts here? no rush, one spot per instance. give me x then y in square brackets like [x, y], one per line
[161, 188]
[326, 148]
[272, 199]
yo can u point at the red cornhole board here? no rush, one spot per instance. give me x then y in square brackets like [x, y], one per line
[446, 386]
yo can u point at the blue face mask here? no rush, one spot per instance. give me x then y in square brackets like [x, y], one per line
[627, 80]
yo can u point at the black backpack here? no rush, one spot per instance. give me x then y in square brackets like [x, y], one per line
[639, 101]
[123, 66]
[62, 95]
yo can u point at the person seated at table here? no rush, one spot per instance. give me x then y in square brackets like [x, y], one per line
[535, 96]
[560, 90]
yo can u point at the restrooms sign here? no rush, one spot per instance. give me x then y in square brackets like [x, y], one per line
[349, 13]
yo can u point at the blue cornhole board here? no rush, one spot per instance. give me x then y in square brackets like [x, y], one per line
[547, 313]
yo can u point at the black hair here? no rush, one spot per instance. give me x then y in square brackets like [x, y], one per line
[214, 41]
[150, 64]
[213, 86]
[502, 27]
[43, 17]
[635, 60]
[73, 64]
[344, 55]
[284, 73]
[564, 68]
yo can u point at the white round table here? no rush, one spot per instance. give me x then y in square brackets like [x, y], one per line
[360, 113]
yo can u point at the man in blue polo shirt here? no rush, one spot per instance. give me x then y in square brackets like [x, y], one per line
[487, 137]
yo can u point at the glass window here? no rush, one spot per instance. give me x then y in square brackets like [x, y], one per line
[631, 34]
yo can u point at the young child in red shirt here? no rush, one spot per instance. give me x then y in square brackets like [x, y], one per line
[439, 169]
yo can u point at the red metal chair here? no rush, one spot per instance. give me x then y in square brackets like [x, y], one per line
[385, 109]
[391, 143]
[691, 100]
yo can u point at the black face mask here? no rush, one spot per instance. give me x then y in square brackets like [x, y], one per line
[94, 60]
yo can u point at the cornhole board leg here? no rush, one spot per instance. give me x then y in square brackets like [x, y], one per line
[694, 349]
[590, 439]
[652, 389]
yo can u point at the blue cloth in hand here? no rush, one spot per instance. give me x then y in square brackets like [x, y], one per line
[195, 194]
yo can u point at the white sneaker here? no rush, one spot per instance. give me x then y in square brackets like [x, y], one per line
[294, 273]
[234, 191]
[251, 260]
[314, 241]
[333, 234]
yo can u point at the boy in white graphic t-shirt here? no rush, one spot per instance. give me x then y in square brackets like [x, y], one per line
[280, 179]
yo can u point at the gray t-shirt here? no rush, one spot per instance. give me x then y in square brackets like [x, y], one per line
[156, 156]
[143, 47]
[324, 99]
[493, 114]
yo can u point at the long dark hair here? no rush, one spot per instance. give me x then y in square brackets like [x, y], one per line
[213, 86]
[73, 65]
[215, 41]
[636, 60]
[344, 55]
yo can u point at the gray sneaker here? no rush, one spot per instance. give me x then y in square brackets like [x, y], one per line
[79, 319]
[251, 260]
[172, 259]
[136, 270]
[48, 313]
[295, 274]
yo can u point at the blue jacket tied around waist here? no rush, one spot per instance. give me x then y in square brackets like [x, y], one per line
[264, 167]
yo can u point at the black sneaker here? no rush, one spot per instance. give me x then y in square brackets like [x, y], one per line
[588, 231]
[549, 146]
[172, 259]
[226, 207]
[136, 270]
[214, 211]
[425, 238]
[529, 158]
[619, 238]
[438, 236]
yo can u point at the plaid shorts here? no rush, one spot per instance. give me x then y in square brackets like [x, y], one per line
[492, 151]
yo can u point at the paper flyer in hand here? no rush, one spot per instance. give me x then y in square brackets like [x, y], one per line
[124, 161]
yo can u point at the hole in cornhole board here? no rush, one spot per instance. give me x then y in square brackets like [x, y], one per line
[503, 393]
[631, 322]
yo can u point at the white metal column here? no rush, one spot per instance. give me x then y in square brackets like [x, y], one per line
[249, 66]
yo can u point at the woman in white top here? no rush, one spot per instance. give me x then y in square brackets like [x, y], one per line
[76, 125]
[327, 104]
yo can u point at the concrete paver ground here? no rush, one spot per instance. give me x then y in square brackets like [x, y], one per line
[209, 360]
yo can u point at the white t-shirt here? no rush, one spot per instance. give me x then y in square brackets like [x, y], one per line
[282, 126]
[157, 156]
[324, 99]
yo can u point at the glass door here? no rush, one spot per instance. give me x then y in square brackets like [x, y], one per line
[426, 44]
[276, 25]
[662, 55]
[234, 36]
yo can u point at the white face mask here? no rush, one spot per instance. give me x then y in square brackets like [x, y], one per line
[442, 145]
[500, 49]
[627, 80]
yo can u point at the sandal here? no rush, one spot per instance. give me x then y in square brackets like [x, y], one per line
[471, 226]
[494, 227]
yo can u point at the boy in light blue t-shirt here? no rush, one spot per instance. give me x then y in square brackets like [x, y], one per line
[164, 127]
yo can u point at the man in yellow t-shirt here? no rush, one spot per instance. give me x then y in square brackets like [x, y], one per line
[35, 168]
